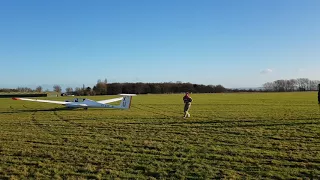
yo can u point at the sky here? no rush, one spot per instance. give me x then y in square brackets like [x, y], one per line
[233, 43]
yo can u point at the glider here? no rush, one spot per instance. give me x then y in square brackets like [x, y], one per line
[87, 103]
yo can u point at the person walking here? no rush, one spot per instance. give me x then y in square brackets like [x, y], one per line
[187, 103]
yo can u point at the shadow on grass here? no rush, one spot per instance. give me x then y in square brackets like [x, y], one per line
[234, 123]
[12, 110]
[37, 110]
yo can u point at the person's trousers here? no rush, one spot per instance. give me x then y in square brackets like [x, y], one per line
[186, 109]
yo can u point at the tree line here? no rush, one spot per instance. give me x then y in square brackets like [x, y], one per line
[22, 89]
[105, 88]
[163, 88]
[300, 84]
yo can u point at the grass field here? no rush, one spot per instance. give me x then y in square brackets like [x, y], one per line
[229, 136]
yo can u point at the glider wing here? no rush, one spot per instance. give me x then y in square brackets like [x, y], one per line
[110, 100]
[39, 100]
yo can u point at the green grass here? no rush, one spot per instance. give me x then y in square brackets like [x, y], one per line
[229, 136]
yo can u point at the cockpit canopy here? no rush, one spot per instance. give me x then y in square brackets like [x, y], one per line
[76, 100]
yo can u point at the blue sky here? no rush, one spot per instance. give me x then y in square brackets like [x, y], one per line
[233, 43]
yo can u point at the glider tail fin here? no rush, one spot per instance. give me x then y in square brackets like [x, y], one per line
[126, 101]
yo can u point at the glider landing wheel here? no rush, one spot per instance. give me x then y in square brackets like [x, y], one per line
[86, 108]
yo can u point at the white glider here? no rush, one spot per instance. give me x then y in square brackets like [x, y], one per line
[87, 103]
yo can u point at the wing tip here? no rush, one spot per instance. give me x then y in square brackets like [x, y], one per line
[127, 94]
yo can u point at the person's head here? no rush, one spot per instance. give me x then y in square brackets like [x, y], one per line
[187, 93]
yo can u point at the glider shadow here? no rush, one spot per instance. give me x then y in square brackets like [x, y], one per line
[37, 110]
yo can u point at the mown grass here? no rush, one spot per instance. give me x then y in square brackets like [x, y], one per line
[229, 136]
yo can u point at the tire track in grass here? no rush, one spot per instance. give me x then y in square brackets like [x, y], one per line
[154, 111]
[86, 131]
[171, 112]
[167, 109]
[7, 110]
[92, 136]
[45, 134]
[166, 115]
[10, 110]
[41, 126]
[66, 121]
[35, 122]
[61, 118]
[61, 141]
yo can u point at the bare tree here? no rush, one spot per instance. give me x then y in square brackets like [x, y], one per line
[155, 88]
[314, 85]
[302, 84]
[279, 85]
[286, 84]
[101, 87]
[69, 90]
[292, 84]
[219, 89]
[24, 89]
[39, 89]
[269, 86]
[79, 91]
[88, 91]
[57, 88]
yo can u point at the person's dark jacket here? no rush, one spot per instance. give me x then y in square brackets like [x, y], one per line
[187, 99]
